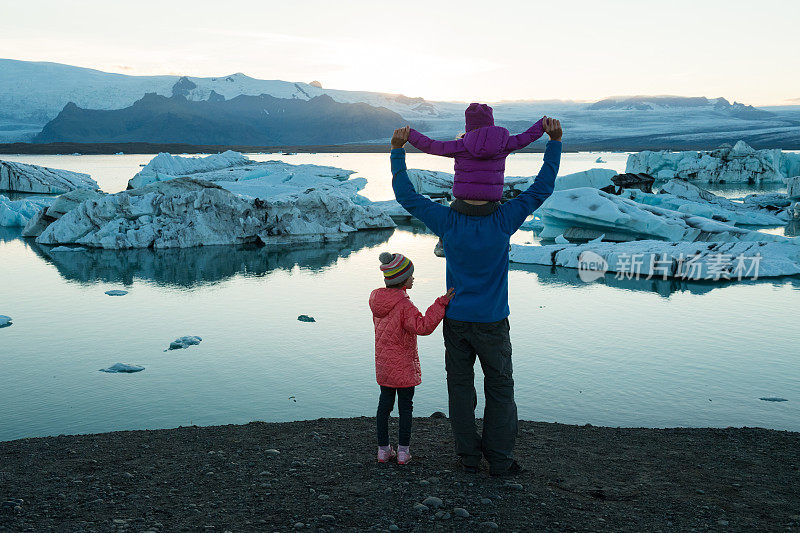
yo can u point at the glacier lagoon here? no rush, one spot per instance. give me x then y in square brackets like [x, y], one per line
[619, 353]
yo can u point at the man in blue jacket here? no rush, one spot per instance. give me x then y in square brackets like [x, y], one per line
[476, 237]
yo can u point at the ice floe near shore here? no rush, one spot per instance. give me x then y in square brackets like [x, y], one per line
[22, 177]
[186, 212]
[739, 164]
[5, 321]
[586, 213]
[228, 166]
[17, 213]
[685, 260]
[56, 209]
[184, 342]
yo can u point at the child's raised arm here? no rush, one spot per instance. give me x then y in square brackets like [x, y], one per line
[415, 322]
[520, 141]
[429, 146]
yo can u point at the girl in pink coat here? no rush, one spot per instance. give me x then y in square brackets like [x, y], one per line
[397, 324]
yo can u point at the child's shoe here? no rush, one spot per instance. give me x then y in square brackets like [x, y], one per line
[386, 453]
[403, 455]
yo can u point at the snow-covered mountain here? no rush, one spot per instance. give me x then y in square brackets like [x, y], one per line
[33, 93]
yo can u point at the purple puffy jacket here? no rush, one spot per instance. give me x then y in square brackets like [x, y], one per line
[480, 158]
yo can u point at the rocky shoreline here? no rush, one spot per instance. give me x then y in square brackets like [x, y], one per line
[321, 475]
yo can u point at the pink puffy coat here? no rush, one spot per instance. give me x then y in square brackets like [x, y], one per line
[397, 324]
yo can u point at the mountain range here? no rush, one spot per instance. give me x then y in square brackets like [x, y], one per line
[51, 102]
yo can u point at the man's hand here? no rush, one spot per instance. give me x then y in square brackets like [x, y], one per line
[451, 292]
[400, 137]
[552, 127]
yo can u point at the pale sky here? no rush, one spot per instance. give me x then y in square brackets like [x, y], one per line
[488, 51]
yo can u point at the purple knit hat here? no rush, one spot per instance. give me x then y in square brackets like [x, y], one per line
[478, 116]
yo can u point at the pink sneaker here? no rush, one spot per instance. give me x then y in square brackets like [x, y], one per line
[403, 455]
[386, 453]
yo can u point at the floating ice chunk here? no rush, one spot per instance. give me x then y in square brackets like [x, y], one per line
[185, 212]
[184, 342]
[773, 399]
[594, 177]
[600, 160]
[229, 166]
[306, 318]
[124, 368]
[740, 164]
[561, 239]
[585, 213]
[686, 260]
[21, 177]
[116, 292]
[17, 213]
[597, 240]
[5, 321]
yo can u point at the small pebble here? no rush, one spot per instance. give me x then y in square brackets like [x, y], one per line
[486, 501]
[420, 508]
[393, 527]
[489, 525]
[327, 518]
[460, 512]
[272, 453]
[513, 486]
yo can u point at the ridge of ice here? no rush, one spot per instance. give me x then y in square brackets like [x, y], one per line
[22, 177]
[228, 166]
[680, 195]
[594, 177]
[585, 213]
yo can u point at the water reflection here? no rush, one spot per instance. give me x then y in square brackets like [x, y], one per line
[193, 267]
[568, 277]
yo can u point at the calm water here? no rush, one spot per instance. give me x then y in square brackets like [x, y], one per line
[619, 353]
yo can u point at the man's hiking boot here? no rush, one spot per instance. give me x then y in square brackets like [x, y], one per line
[467, 469]
[511, 471]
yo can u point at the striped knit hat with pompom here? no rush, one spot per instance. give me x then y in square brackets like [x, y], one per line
[396, 268]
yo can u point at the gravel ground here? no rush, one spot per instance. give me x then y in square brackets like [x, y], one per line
[321, 475]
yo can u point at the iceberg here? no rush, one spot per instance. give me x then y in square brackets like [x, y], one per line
[228, 166]
[22, 177]
[123, 368]
[685, 197]
[594, 177]
[59, 249]
[186, 212]
[17, 213]
[659, 259]
[5, 321]
[586, 213]
[184, 342]
[740, 164]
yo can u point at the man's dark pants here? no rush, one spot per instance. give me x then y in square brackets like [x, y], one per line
[490, 342]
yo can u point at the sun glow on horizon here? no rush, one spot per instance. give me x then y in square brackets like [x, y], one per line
[522, 51]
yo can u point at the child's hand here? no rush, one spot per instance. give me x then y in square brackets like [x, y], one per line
[552, 127]
[400, 137]
[451, 292]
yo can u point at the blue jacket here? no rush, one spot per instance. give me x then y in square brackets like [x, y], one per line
[476, 247]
